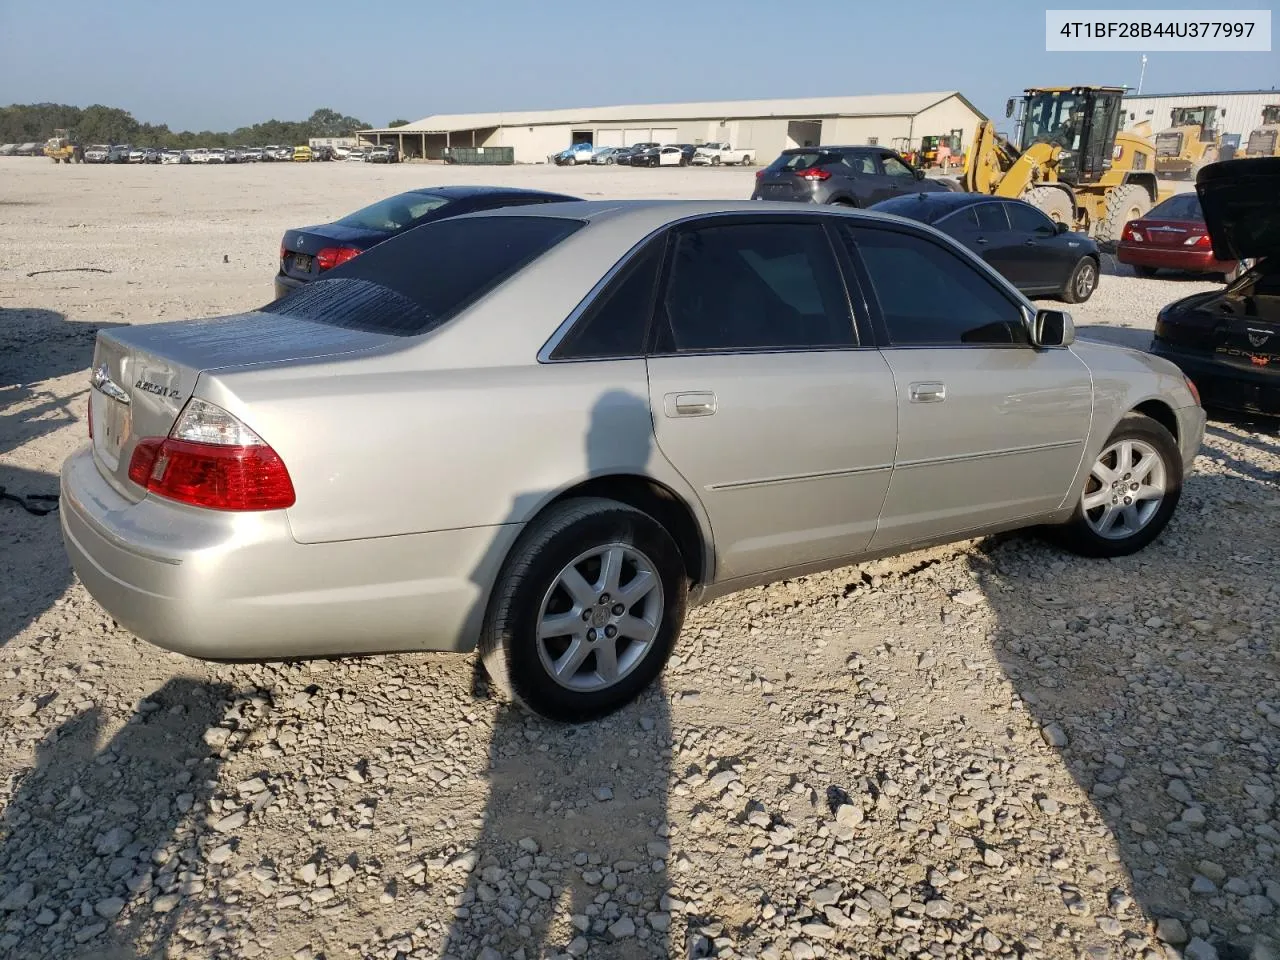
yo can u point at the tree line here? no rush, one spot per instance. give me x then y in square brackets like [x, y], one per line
[36, 122]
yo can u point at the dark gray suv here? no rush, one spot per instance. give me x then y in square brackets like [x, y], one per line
[847, 176]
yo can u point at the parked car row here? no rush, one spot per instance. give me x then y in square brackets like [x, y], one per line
[124, 153]
[652, 154]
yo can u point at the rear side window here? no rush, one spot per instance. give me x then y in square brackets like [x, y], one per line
[754, 287]
[394, 213]
[791, 162]
[416, 281]
[1024, 218]
[616, 323]
[929, 296]
[991, 217]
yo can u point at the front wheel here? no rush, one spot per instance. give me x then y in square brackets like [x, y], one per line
[1129, 494]
[585, 611]
[1083, 281]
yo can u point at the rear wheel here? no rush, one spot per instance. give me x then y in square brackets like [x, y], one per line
[1083, 281]
[1130, 492]
[1124, 203]
[715, 161]
[1053, 203]
[748, 160]
[585, 611]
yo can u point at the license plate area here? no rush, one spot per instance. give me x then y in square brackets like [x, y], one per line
[302, 262]
[112, 425]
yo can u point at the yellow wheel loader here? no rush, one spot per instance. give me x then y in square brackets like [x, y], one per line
[1264, 141]
[60, 149]
[1069, 158]
[1191, 141]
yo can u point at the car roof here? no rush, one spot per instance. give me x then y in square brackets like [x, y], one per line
[649, 215]
[462, 191]
[838, 148]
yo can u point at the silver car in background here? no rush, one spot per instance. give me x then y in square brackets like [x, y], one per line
[545, 432]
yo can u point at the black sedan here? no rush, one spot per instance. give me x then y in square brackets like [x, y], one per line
[1228, 340]
[1035, 254]
[307, 252]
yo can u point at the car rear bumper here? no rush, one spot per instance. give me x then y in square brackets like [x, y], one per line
[225, 586]
[1226, 385]
[286, 284]
[1194, 261]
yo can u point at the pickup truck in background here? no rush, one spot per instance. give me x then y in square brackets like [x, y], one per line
[717, 152]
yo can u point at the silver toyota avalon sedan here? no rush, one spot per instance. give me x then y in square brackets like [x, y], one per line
[545, 432]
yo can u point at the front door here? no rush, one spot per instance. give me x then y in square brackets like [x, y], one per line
[990, 428]
[763, 398]
[898, 176]
[1040, 259]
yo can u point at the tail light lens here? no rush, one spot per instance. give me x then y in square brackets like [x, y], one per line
[283, 252]
[330, 257]
[813, 173]
[89, 415]
[211, 459]
[1200, 241]
[1132, 233]
[759, 174]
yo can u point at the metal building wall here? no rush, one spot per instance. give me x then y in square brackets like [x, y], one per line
[1238, 112]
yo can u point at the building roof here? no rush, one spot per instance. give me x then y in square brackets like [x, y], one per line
[1204, 93]
[876, 105]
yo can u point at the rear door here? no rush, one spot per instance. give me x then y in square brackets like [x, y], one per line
[1039, 258]
[991, 238]
[764, 395]
[990, 429]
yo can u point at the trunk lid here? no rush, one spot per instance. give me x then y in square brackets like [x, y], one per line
[143, 375]
[1241, 203]
[1169, 233]
[299, 247]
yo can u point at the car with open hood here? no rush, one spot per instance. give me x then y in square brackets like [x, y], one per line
[1228, 341]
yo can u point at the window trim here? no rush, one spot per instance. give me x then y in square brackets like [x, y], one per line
[997, 282]
[750, 218]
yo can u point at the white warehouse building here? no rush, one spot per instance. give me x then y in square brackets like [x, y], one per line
[1238, 111]
[896, 120]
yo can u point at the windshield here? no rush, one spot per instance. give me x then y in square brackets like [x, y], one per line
[1054, 118]
[394, 213]
[1192, 116]
[1270, 115]
[1185, 206]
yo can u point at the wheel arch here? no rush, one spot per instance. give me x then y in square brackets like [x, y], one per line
[1161, 413]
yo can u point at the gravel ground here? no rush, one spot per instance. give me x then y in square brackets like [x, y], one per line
[985, 750]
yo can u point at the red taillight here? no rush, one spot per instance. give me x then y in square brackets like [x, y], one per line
[212, 475]
[211, 459]
[90, 415]
[283, 252]
[331, 257]
[759, 174]
[813, 173]
[1130, 232]
[1204, 241]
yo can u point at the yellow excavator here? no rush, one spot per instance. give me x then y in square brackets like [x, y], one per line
[61, 149]
[1264, 141]
[1069, 158]
[1191, 141]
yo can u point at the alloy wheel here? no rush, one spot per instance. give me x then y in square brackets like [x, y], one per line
[1086, 277]
[1126, 486]
[600, 617]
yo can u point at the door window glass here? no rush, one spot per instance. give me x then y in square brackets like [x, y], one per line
[615, 324]
[894, 167]
[991, 218]
[929, 296]
[1027, 219]
[755, 286]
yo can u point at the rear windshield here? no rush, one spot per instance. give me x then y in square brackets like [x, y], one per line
[1185, 206]
[416, 281]
[915, 207]
[802, 160]
[394, 213]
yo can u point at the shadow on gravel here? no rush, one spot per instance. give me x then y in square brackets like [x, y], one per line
[1153, 676]
[94, 850]
[1261, 436]
[576, 816]
[34, 571]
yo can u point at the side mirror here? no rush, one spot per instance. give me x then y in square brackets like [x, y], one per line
[1053, 328]
[1008, 107]
[919, 174]
[1060, 228]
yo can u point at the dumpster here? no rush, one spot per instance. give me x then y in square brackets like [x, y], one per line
[480, 155]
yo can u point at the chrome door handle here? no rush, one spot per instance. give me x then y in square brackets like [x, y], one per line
[928, 392]
[981, 240]
[700, 403]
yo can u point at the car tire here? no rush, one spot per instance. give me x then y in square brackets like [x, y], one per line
[1083, 281]
[1142, 270]
[567, 544]
[747, 161]
[715, 161]
[1053, 203]
[1093, 528]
